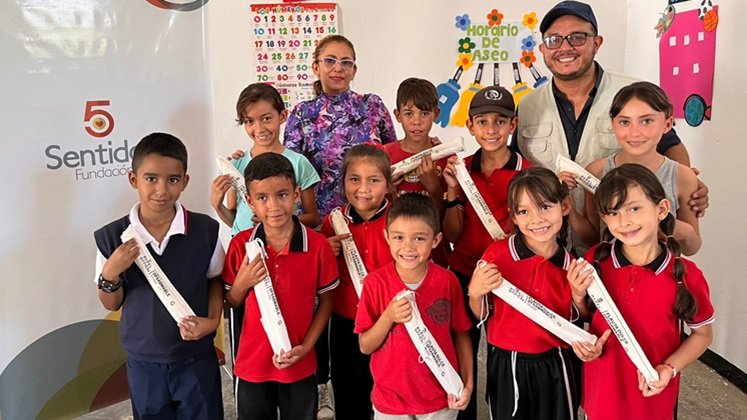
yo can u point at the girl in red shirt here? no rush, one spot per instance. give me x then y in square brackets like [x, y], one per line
[366, 180]
[654, 289]
[532, 374]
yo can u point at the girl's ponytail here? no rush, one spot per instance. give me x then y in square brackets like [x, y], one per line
[685, 305]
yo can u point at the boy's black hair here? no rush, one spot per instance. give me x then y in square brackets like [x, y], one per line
[420, 92]
[415, 205]
[268, 165]
[162, 144]
[258, 92]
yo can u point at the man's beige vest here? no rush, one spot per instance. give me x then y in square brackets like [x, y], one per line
[540, 134]
[541, 137]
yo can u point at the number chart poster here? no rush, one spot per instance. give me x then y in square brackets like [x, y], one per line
[285, 36]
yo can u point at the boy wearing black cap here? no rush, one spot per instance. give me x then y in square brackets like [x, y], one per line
[492, 119]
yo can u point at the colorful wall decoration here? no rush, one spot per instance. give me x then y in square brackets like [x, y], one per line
[687, 56]
[489, 39]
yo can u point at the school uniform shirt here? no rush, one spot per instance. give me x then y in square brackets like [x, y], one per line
[410, 181]
[324, 128]
[475, 239]
[645, 297]
[306, 177]
[302, 270]
[189, 254]
[402, 383]
[542, 279]
[371, 243]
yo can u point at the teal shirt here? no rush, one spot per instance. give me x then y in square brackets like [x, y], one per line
[306, 177]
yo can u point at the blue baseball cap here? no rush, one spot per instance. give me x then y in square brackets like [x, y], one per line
[573, 8]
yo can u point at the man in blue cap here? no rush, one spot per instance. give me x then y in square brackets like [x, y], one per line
[570, 116]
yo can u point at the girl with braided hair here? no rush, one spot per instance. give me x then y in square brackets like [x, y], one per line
[655, 290]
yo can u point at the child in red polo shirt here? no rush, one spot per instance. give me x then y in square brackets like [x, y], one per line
[366, 179]
[531, 374]
[301, 265]
[653, 288]
[492, 119]
[417, 108]
[404, 386]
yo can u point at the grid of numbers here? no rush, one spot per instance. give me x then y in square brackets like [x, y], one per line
[284, 37]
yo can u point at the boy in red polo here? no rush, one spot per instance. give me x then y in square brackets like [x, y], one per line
[417, 108]
[403, 385]
[302, 266]
[492, 119]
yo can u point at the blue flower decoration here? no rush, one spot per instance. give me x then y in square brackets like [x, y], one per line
[462, 22]
[528, 43]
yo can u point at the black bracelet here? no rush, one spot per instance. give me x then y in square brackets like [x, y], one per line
[107, 286]
[447, 204]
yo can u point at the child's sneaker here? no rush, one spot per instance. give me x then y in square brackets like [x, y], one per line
[325, 409]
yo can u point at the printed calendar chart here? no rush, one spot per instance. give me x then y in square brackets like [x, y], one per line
[285, 36]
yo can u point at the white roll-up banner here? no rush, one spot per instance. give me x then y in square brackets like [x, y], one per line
[269, 308]
[429, 349]
[82, 82]
[606, 306]
[478, 203]
[237, 178]
[588, 181]
[541, 314]
[436, 152]
[163, 288]
[350, 253]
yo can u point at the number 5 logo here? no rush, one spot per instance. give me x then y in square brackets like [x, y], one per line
[100, 122]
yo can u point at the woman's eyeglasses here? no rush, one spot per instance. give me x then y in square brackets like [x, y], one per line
[576, 39]
[331, 62]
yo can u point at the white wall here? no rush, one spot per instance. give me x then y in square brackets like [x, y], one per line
[399, 39]
[718, 149]
[394, 40]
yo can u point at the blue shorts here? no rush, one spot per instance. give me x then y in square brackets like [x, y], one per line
[187, 389]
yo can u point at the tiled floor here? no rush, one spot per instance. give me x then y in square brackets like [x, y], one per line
[704, 395]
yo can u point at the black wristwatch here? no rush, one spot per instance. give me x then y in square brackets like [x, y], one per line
[447, 204]
[107, 286]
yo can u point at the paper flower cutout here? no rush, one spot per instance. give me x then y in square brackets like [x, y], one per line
[528, 43]
[710, 22]
[462, 22]
[495, 18]
[465, 61]
[530, 20]
[527, 58]
[466, 45]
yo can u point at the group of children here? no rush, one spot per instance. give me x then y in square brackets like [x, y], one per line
[416, 232]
